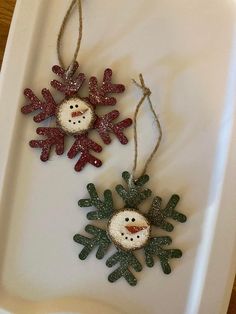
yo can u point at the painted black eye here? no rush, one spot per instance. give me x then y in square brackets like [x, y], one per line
[79, 121]
[126, 238]
[133, 219]
[83, 117]
[122, 233]
[73, 122]
[138, 236]
[69, 120]
[76, 106]
[131, 239]
[126, 219]
[71, 107]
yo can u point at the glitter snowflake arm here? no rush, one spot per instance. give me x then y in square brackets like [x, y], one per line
[104, 208]
[157, 216]
[100, 240]
[55, 137]
[99, 95]
[83, 145]
[154, 248]
[134, 194]
[126, 260]
[71, 83]
[47, 107]
[104, 125]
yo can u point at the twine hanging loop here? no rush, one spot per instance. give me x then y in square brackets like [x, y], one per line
[74, 3]
[146, 95]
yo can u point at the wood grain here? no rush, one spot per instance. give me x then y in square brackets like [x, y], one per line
[232, 304]
[6, 11]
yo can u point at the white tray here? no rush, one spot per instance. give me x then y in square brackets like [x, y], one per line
[186, 51]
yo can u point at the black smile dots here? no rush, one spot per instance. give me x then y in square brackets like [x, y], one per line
[74, 121]
[130, 239]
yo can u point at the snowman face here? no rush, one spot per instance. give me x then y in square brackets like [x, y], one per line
[129, 229]
[75, 116]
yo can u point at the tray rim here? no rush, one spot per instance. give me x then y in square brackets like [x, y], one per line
[8, 70]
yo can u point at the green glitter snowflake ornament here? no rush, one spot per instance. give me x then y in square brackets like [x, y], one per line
[129, 229]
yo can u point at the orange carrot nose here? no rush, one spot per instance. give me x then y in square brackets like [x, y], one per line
[76, 114]
[135, 229]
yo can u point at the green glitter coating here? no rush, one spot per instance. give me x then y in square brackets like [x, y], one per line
[100, 239]
[126, 260]
[134, 194]
[154, 248]
[157, 216]
[105, 209]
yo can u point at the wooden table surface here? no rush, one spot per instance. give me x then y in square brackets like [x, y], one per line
[6, 11]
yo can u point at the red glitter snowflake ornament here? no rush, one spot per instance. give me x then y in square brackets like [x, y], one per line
[76, 115]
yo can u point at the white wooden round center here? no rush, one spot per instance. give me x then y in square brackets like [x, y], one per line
[75, 116]
[129, 229]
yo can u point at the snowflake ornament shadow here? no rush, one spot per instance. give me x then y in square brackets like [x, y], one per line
[129, 229]
[76, 115]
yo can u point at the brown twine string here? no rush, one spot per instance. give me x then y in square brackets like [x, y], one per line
[78, 4]
[146, 90]
[146, 94]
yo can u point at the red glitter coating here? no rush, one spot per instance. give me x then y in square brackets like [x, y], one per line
[83, 144]
[104, 125]
[55, 136]
[71, 82]
[98, 95]
[70, 85]
[48, 107]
